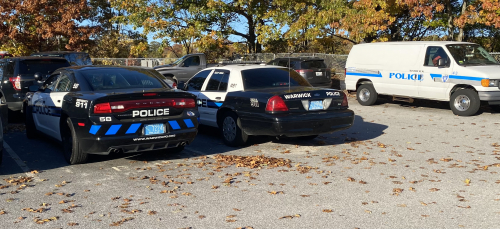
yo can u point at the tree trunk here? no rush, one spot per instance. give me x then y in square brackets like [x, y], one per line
[449, 9]
[461, 32]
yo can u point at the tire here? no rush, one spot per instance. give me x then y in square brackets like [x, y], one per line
[31, 131]
[232, 134]
[310, 137]
[71, 146]
[465, 102]
[366, 95]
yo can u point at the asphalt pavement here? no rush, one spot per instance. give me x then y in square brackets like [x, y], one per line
[400, 166]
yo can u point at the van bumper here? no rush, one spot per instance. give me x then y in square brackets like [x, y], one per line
[493, 97]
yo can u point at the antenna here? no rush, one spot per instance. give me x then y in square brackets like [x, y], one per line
[289, 73]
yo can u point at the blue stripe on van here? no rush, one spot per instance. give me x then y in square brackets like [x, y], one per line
[436, 76]
[364, 74]
[465, 78]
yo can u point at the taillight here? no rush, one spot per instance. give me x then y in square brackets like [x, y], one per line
[102, 108]
[276, 103]
[117, 107]
[16, 82]
[174, 85]
[344, 101]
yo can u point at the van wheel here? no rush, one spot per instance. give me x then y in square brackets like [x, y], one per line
[464, 102]
[232, 134]
[71, 145]
[30, 123]
[366, 95]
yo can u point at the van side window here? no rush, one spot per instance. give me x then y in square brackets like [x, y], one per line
[432, 56]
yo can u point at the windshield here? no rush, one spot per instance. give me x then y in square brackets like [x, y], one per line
[122, 78]
[271, 77]
[470, 54]
[176, 62]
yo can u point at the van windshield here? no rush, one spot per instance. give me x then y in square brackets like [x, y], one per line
[470, 54]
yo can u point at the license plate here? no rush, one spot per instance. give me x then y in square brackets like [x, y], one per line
[316, 105]
[319, 73]
[152, 129]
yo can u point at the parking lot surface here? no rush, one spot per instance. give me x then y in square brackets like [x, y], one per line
[400, 166]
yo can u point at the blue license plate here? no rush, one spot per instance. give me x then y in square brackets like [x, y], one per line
[316, 105]
[152, 129]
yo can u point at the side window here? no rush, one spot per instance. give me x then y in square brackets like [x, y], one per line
[195, 83]
[283, 63]
[9, 69]
[192, 61]
[433, 55]
[2, 63]
[50, 83]
[218, 81]
[273, 62]
[64, 84]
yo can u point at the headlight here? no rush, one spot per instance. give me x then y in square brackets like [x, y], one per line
[489, 83]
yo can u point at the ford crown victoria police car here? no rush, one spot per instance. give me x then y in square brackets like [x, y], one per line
[459, 72]
[245, 100]
[102, 110]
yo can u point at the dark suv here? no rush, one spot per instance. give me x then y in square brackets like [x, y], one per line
[74, 58]
[18, 73]
[312, 69]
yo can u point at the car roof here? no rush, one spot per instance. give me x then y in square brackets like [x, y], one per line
[304, 58]
[241, 67]
[35, 58]
[104, 67]
[57, 52]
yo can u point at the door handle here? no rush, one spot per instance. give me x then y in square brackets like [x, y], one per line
[58, 101]
[217, 98]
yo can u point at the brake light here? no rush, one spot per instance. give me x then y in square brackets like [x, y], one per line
[122, 106]
[276, 103]
[303, 71]
[16, 82]
[150, 94]
[102, 108]
[344, 101]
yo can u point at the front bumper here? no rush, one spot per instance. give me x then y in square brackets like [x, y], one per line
[296, 125]
[493, 97]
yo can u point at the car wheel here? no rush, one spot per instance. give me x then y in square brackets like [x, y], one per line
[71, 145]
[366, 95]
[232, 133]
[310, 137]
[30, 123]
[464, 102]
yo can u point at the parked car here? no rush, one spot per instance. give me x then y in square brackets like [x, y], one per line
[461, 73]
[313, 69]
[245, 100]
[4, 54]
[18, 73]
[185, 67]
[74, 58]
[103, 110]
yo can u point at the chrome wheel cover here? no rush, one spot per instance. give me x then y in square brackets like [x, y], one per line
[462, 103]
[364, 94]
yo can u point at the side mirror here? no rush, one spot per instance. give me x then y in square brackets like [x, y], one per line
[441, 62]
[38, 76]
[181, 85]
[34, 88]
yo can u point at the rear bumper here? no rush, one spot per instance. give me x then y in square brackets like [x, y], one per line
[295, 125]
[323, 85]
[131, 144]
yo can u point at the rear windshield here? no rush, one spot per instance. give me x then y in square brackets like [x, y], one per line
[42, 66]
[271, 77]
[77, 59]
[121, 78]
[309, 64]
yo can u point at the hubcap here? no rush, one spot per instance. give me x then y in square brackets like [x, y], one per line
[229, 128]
[364, 95]
[462, 103]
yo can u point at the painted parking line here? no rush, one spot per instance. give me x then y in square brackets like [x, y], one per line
[16, 158]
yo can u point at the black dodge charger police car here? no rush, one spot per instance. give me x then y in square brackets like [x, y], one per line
[245, 100]
[102, 110]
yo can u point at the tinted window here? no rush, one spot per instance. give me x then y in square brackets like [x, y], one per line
[192, 61]
[50, 83]
[433, 55]
[313, 64]
[218, 81]
[195, 83]
[9, 69]
[2, 64]
[271, 77]
[72, 58]
[46, 66]
[121, 78]
[284, 63]
[64, 84]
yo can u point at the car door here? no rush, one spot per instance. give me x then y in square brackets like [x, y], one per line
[40, 110]
[433, 83]
[194, 86]
[190, 66]
[53, 101]
[213, 96]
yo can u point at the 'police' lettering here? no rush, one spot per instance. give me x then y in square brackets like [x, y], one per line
[403, 76]
[151, 113]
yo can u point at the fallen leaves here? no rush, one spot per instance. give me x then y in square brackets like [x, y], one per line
[290, 216]
[40, 210]
[119, 223]
[327, 210]
[467, 182]
[38, 220]
[252, 161]
[276, 192]
[434, 189]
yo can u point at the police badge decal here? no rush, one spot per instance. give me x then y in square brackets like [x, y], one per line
[445, 78]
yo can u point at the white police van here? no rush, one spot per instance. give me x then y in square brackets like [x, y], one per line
[459, 72]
